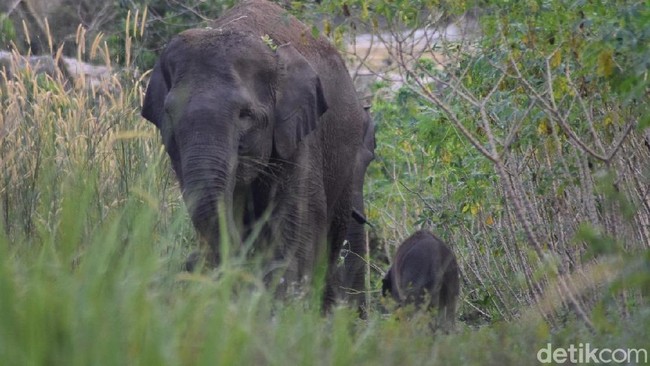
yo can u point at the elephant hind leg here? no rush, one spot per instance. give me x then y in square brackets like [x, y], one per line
[354, 271]
[335, 238]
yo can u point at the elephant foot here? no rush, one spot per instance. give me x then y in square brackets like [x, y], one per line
[196, 258]
[192, 261]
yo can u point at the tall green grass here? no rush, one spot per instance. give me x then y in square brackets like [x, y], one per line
[93, 233]
[116, 298]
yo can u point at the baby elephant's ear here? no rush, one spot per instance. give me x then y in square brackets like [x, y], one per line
[153, 107]
[299, 101]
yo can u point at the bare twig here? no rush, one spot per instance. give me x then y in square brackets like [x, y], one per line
[549, 106]
[585, 111]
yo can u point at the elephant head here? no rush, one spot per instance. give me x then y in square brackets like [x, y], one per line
[425, 273]
[230, 109]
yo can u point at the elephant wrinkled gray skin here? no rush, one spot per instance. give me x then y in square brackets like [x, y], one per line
[352, 271]
[260, 119]
[425, 273]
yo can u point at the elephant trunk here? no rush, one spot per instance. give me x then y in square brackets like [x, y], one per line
[208, 185]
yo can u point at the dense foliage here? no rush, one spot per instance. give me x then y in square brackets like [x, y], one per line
[525, 145]
[528, 149]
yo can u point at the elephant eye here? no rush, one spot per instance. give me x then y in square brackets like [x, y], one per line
[245, 113]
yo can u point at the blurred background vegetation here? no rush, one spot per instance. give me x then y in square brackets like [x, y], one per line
[516, 131]
[28, 24]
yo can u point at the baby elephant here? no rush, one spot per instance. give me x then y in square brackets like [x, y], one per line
[425, 273]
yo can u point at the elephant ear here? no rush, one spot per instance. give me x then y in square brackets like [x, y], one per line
[153, 107]
[299, 101]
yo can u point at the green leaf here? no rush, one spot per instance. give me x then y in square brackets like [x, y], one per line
[644, 122]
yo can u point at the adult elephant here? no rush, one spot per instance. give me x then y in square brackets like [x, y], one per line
[261, 122]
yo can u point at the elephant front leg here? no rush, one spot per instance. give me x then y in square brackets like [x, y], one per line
[297, 234]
